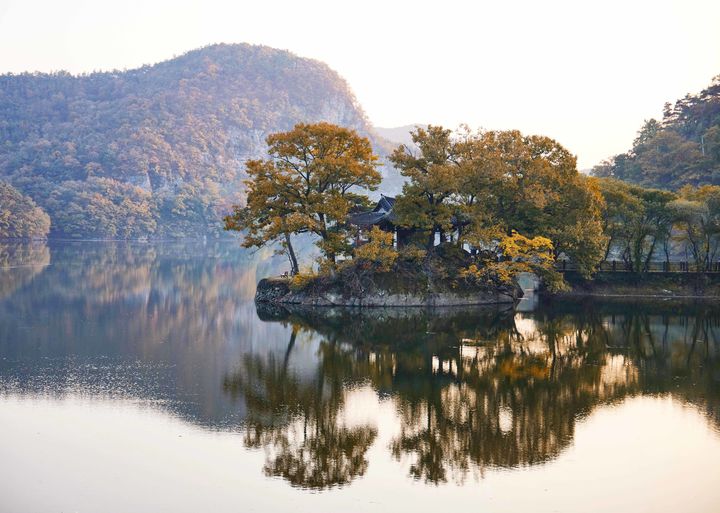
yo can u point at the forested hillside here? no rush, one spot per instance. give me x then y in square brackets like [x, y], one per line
[681, 149]
[20, 217]
[158, 151]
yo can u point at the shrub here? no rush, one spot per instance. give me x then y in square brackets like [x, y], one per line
[519, 254]
[301, 280]
[378, 253]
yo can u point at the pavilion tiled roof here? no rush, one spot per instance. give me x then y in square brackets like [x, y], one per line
[383, 212]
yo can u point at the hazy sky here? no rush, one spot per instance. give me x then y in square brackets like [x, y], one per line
[584, 72]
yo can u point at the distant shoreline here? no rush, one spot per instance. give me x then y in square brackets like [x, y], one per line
[644, 285]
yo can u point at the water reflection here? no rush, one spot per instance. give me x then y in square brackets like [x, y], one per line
[26, 260]
[298, 418]
[485, 388]
[156, 322]
[472, 390]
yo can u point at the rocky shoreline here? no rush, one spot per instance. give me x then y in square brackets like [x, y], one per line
[278, 291]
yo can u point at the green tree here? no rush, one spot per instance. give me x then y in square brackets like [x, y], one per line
[620, 213]
[697, 214]
[682, 149]
[636, 220]
[426, 202]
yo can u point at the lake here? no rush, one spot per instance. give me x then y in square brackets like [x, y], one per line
[142, 377]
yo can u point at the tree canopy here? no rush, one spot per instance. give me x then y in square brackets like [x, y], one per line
[516, 199]
[20, 217]
[696, 214]
[637, 221]
[681, 149]
[492, 183]
[308, 184]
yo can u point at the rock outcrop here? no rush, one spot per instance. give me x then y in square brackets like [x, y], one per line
[278, 291]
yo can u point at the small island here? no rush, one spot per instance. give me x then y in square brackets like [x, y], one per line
[477, 211]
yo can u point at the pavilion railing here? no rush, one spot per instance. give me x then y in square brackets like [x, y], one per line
[620, 266]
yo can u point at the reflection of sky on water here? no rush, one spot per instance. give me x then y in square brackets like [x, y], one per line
[129, 457]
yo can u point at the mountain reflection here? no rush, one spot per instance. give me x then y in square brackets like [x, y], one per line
[474, 389]
[174, 325]
[148, 321]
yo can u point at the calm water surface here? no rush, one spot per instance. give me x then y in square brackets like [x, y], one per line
[141, 377]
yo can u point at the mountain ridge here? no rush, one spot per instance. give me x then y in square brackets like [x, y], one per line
[159, 151]
[683, 148]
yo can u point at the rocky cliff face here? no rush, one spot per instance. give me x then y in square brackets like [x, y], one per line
[278, 291]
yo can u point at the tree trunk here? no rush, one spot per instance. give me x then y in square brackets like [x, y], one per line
[607, 249]
[706, 263]
[650, 254]
[324, 235]
[290, 346]
[291, 255]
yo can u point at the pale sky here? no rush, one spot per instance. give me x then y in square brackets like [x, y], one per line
[585, 73]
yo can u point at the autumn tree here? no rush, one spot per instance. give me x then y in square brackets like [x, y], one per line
[432, 170]
[518, 254]
[310, 182]
[20, 217]
[378, 252]
[101, 208]
[489, 183]
[479, 179]
[271, 213]
[530, 184]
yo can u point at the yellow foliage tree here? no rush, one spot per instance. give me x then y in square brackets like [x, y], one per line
[518, 254]
[307, 184]
[378, 251]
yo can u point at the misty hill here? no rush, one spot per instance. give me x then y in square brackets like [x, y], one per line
[158, 151]
[398, 135]
[683, 148]
[392, 180]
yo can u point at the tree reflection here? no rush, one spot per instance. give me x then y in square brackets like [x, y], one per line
[20, 263]
[297, 419]
[474, 389]
[470, 389]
